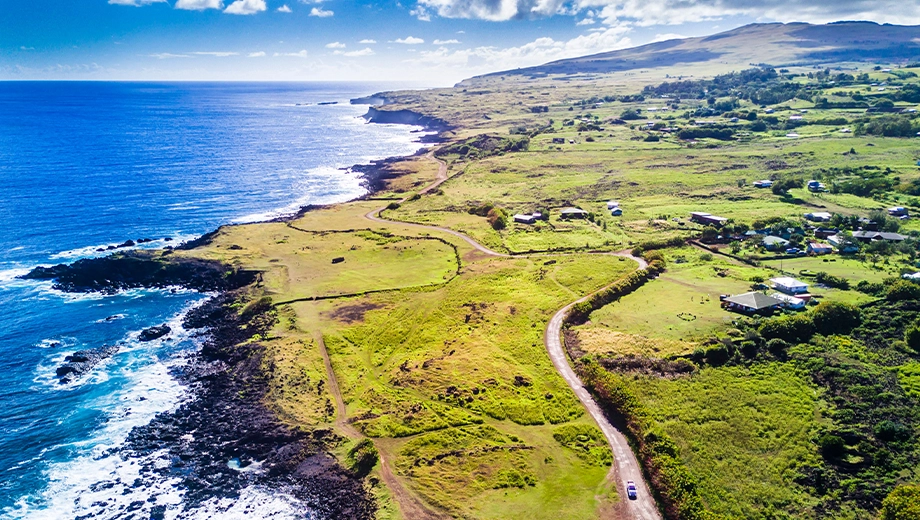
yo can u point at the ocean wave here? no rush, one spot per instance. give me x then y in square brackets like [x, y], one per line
[93, 251]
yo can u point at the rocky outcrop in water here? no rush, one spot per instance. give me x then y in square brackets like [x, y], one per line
[82, 361]
[137, 269]
[154, 333]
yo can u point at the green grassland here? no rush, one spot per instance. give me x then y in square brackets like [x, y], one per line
[743, 433]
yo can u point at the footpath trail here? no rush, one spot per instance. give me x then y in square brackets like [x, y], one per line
[626, 466]
[409, 505]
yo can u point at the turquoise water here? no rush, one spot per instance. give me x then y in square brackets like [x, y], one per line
[88, 165]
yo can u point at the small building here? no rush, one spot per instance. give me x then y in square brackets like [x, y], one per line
[773, 243]
[843, 246]
[898, 211]
[815, 248]
[815, 186]
[823, 232]
[616, 212]
[752, 303]
[558, 140]
[819, 216]
[570, 213]
[766, 183]
[706, 219]
[871, 236]
[769, 111]
[789, 302]
[611, 204]
[789, 285]
[524, 219]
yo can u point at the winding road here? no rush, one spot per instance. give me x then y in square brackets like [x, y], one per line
[625, 466]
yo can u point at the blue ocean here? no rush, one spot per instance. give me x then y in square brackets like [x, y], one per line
[88, 165]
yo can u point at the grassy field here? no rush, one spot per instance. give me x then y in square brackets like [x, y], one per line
[743, 433]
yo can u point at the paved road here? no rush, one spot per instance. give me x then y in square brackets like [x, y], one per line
[625, 466]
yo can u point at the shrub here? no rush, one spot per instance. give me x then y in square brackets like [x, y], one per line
[497, 219]
[902, 504]
[831, 445]
[837, 282]
[393, 206]
[835, 318]
[362, 457]
[778, 347]
[871, 288]
[794, 329]
[912, 336]
[903, 290]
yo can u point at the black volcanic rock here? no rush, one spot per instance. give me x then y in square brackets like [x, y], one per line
[154, 333]
[82, 361]
[136, 269]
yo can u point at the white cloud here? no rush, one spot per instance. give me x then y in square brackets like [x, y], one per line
[246, 7]
[301, 54]
[421, 13]
[259, 54]
[675, 12]
[216, 54]
[409, 40]
[135, 3]
[587, 21]
[24, 48]
[335, 45]
[199, 5]
[539, 51]
[367, 51]
[446, 42]
[366, 42]
[284, 9]
[168, 55]
[321, 13]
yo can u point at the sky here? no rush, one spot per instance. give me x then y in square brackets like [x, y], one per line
[431, 42]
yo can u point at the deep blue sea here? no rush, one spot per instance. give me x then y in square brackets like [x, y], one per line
[87, 165]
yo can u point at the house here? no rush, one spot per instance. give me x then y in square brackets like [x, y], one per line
[569, 213]
[815, 248]
[823, 232]
[842, 245]
[611, 204]
[769, 111]
[773, 243]
[789, 302]
[616, 212]
[763, 184]
[819, 216]
[558, 140]
[524, 219]
[752, 303]
[815, 186]
[911, 276]
[706, 219]
[869, 236]
[898, 211]
[789, 285]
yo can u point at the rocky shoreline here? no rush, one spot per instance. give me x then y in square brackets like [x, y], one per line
[224, 439]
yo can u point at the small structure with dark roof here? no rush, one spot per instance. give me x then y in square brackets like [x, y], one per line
[707, 219]
[568, 213]
[870, 236]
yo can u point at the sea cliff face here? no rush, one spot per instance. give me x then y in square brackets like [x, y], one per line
[405, 117]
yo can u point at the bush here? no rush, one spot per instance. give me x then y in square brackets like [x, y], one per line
[871, 288]
[793, 329]
[778, 347]
[903, 290]
[831, 446]
[902, 504]
[393, 206]
[912, 336]
[362, 457]
[497, 219]
[837, 282]
[835, 318]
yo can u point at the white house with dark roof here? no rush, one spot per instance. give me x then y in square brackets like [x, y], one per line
[789, 285]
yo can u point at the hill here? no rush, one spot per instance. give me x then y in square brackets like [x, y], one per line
[775, 44]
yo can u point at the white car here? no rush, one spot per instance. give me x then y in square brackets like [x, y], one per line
[631, 490]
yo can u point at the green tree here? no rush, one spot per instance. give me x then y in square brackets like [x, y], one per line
[902, 504]
[903, 290]
[835, 318]
[912, 335]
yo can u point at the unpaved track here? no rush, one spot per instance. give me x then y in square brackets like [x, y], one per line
[409, 505]
[625, 464]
